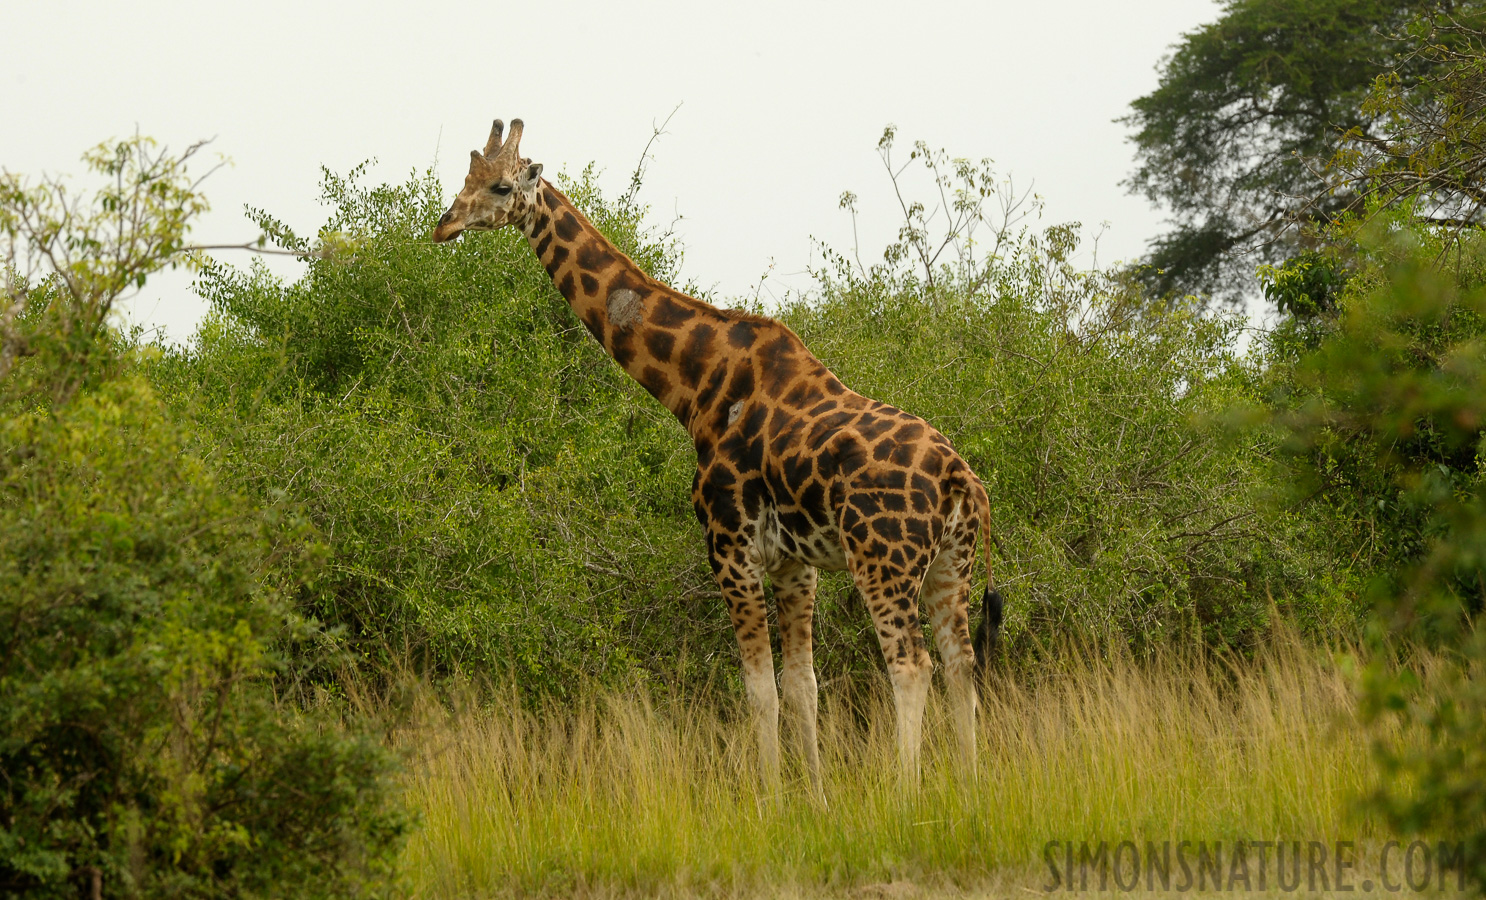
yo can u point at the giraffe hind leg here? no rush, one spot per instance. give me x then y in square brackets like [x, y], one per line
[794, 594]
[891, 595]
[946, 596]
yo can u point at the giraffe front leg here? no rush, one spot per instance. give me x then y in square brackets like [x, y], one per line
[740, 578]
[794, 592]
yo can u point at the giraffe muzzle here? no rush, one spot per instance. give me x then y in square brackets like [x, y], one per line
[447, 229]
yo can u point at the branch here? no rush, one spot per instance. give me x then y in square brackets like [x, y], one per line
[637, 177]
[253, 247]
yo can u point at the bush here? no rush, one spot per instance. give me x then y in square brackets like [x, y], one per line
[141, 741]
[1122, 512]
[497, 494]
[1376, 401]
[494, 492]
[146, 745]
[1387, 434]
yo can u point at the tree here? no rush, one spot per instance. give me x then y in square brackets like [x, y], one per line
[1243, 104]
[1379, 379]
[1385, 412]
[66, 261]
[1431, 152]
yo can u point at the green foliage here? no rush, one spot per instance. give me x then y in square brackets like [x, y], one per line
[145, 745]
[1385, 416]
[1435, 784]
[1304, 286]
[1120, 516]
[497, 495]
[1247, 107]
[1382, 393]
[141, 741]
[1116, 517]
[494, 491]
[1376, 400]
[1428, 151]
[66, 261]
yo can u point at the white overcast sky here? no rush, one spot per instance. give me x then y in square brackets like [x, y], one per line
[781, 106]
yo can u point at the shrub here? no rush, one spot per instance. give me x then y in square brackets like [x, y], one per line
[1386, 436]
[139, 735]
[1122, 512]
[496, 494]
[146, 748]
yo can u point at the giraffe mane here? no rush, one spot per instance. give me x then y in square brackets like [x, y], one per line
[743, 315]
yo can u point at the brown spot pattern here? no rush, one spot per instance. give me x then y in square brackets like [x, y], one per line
[794, 471]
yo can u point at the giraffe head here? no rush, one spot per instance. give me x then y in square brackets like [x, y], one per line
[500, 188]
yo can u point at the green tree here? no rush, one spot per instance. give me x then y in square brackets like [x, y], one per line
[1120, 516]
[1386, 413]
[140, 741]
[85, 253]
[1246, 110]
[1378, 375]
[496, 495]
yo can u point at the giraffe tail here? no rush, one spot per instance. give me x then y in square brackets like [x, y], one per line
[988, 633]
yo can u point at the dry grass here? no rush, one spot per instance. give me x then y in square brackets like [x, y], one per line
[625, 795]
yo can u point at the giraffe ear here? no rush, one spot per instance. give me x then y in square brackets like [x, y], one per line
[531, 174]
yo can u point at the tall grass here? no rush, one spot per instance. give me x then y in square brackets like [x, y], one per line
[624, 793]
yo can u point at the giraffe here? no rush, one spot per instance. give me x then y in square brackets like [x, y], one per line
[795, 472]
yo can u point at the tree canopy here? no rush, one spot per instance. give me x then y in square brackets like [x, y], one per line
[1230, 141]
[1431, 152]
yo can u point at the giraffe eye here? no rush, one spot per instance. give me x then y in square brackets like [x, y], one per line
[501, 189]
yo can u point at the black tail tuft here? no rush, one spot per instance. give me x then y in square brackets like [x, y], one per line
[988, 634]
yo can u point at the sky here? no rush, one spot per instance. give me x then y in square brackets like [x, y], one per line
[778, 107]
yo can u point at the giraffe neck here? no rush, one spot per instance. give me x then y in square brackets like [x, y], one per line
[662, 338]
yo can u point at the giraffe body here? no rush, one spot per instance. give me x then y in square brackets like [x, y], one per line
[795, 472]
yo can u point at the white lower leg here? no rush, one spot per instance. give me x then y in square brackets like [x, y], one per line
[801, 695]
[764, 698]
[910, 694]
[963, 701]
[945, 596]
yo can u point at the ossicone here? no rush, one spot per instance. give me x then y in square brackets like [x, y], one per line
[492, 146]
